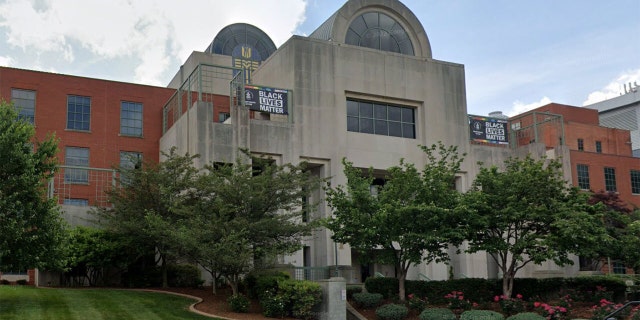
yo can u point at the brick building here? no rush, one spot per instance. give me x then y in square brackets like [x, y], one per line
[601, 157]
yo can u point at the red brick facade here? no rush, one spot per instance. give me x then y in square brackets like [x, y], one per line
[590, 144]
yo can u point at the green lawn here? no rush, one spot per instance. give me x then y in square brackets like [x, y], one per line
[21, 302]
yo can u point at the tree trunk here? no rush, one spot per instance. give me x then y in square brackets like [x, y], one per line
[507, 284]
[163, 266]
[214, 282]
[401, 289]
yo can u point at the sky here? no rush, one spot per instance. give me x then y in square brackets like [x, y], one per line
[518, 55]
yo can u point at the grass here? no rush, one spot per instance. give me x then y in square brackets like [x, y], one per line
[21, 302]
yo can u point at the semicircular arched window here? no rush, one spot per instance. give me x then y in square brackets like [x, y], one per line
[379, 31]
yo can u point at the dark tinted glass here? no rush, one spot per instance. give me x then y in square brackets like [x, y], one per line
[352, 108]
[352, 124]
[394, 114]
[366, 125]
[366, 109]
[395, 129]
[381, 127]
[381, 111]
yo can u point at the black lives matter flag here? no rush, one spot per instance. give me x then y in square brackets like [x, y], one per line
[263, 99]
[488, 130]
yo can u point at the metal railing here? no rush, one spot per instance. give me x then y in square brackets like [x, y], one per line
[322, 273]
[619, 310]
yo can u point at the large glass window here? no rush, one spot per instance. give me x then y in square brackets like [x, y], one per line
[583, 177]
[76, 202]
[635, 181]
[78, 113]
[25, 103]
[129, 160]
[76, 157]
[380, 118]
[131, 119]
[610, 179]
[379, 31]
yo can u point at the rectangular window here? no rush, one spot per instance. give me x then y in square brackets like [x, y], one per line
[129, 160]
[78, 113]
[380, 118]
[223, 116]
[635, 181]
[76, 202]
[610, 179]
[76, 157]
[25, 103]
[583, 177]
[580, 144]
[131, 119]
[598, 146]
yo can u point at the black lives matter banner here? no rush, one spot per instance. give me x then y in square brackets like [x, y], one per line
[488, 130]
[265, 99]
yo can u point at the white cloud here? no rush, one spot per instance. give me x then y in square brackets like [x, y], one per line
[521, 107]
[152, 32]
[6, 61]
[614, 88]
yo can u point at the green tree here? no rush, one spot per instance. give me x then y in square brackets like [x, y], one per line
[410, 219]
[147, 204]
[247, 213]
[527, 213]
[96, 255]
[32, 231]
[621, 223]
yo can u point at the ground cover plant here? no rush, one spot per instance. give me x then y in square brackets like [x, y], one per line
[18, 302]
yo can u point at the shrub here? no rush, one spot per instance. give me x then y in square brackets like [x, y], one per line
[22, 282]
[551, 312]
[388, 287]
[481, 314]
[526, 316]
[367, 300]
[265, 283]
[437, 314]
[184, 276]
[392, 312]
[300, 297]
[351, 289]
[604, 308]
[5, 281]
[457, 301]
[273, 306]
[510, 306]
[416, 303]
[238, 303]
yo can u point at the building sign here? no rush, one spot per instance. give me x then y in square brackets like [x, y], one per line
[263, 99]
[488, 130]
[247, 58]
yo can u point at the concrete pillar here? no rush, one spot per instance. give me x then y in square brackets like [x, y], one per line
[334, 299]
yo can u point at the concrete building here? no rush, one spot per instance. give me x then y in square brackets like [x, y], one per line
[363, 86]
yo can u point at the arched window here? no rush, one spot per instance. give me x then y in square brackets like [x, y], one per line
[379, 31]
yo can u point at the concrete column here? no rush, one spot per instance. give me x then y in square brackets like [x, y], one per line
[334, 299]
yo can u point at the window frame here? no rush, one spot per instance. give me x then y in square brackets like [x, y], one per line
[634, 176]
[79, 202]
[610, 179]
[131, 120]
[19, 107]
[599, 146]
[71, 174]
[372, 119]
[78, 125]
[581, 144]
[583, 181]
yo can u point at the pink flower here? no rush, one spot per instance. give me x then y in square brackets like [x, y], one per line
[551, 311]
[536, 304]
[562, 309]
[460, 297]
[496, 298]
[410, 296]
[519, 296]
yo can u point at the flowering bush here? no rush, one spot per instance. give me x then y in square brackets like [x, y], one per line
[238, 303]
[457, 301]
[416, 303]
[510, 306]
[603, 308]
[551, 312]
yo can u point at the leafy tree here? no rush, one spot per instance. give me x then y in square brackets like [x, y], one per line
[93, 254]
[529, 214]
[247, 213]
[411, 218]
[621, 224]
[31, 227]
[147, 205]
